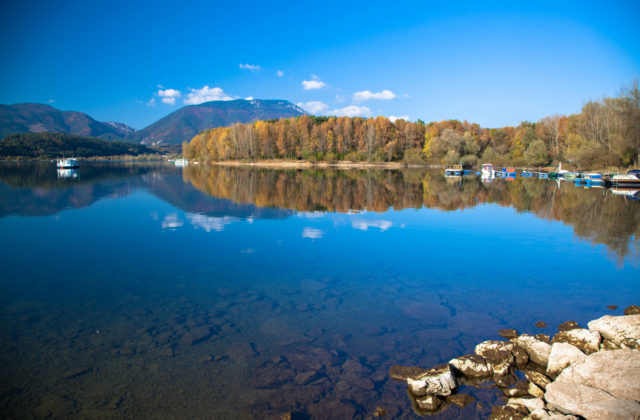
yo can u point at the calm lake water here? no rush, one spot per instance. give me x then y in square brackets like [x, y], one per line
[148, 291]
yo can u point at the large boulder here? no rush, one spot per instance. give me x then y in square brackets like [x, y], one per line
[587, 341]
[617, 372]
[589, 402]
[537, 350]
[617, 328]
[438, 381]
[531, 404]
[561, 356]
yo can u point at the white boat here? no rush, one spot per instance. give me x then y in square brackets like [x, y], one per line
[488, 171]
[629, 180]
[69, 163]
[181, 162]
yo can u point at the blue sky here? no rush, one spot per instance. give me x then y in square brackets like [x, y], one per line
[487, 62]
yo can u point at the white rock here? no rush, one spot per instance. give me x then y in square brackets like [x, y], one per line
[537, 350]
[617, 328]
[438, 381]
[541, 414]
[616, 371]
[586, 340]
[588, 402]
[471, 366]
[561, 356]
[532, 404]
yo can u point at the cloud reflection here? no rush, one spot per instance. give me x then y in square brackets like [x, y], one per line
[209, 223]
[366, 224]
[312, 233]
[171, 221]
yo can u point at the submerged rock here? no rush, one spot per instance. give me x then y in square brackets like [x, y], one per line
[460, 400]
[537, 350]
[402, 373]
[506, 412]
[617, 328]
[195, 336]
[428, 402]
[508, 333]
[569, 325]
[612, 307]
[541, 324]
[438, 381]
[587, 341]
[632, 310]
[561, 356]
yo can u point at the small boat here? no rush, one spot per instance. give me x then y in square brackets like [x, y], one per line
[453, 170]
[629, 180]
[593, 176]
[488, 171]
[563, 173]
[543, 175]
[181, 162]
[67, 163]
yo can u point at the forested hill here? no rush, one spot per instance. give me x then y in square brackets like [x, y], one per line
[36, 118]
[52, 145]
[606, 133]
[188, 121]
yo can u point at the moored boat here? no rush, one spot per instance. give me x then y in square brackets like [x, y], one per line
[453, 170]
[629, 180]
[68, 163]
[488, 171]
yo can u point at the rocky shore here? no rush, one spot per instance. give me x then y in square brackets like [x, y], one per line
[591, 373]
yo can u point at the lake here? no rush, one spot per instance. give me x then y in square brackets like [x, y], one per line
[138, 290]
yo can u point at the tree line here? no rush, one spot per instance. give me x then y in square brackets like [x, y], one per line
[605, 133]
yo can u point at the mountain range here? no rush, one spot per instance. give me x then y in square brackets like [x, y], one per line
[181, 125]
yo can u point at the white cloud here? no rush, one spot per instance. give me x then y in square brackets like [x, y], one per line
[169, 95]
[279, 73]
[312, 233]
[152, 102]
[249, 98]
[51, 101]
[314, 83]
[393, 118]
[351, 111]
[367, 95]
[206, 94]
[314, 107]
[366, 224]
[251, 67]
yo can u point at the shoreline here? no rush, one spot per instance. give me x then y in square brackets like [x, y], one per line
[306, 164]
[591, 372]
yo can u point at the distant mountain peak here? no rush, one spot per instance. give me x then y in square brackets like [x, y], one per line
[184, 123]
[37, 118]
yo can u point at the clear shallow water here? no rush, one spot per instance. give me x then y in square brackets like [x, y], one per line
[140, 290]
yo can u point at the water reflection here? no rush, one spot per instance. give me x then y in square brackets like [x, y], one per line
[600, 216]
